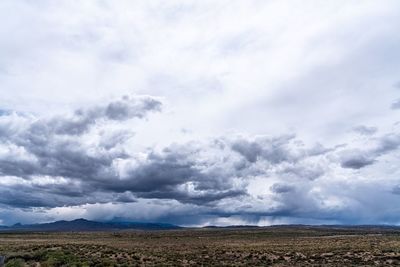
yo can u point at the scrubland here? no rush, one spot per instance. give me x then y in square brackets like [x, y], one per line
[270, 246]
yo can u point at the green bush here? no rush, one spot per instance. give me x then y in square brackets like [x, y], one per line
[15, 263]
[60, 258]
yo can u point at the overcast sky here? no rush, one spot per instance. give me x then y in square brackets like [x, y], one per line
[200, 112]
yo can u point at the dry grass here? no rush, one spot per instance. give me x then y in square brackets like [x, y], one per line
[278, 246]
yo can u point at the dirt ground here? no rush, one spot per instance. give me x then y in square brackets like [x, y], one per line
[276, 246]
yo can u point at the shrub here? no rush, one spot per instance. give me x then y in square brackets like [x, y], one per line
[15, 263]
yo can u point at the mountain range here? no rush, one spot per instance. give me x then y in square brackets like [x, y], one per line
[87, 225]
[80, 225]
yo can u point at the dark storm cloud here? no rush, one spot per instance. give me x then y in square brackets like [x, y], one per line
[179, 172]
[282, 188]
[36, 195]
[40, 148]
[274, 150]
[120, 110]
[167, 170]
[205, 198]
[50, 196]
[18, 199]
[35, 148]
[50, 163]
[196, 173]
[356, 160]
[127, 108]
[176, 173]
[55, 155]
[17, 167]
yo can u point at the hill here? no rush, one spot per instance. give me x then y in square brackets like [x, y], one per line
[87, 225]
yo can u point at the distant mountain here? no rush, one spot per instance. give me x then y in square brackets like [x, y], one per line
[86, 225]
[233, 226]
[305, 226]
[119, 224]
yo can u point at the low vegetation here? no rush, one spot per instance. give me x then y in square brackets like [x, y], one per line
[276, 246]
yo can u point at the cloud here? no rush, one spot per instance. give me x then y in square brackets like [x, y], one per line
[308, 170]
[234, 176]
[177, 173]
[396, 104]
[387, 143]
[101, 172]
[365, 130]
[55, 147]
[359, 158]
[273, 150]
[120, 110]
[355, 160]
[396, 190]
[282, 188]
[81, 159]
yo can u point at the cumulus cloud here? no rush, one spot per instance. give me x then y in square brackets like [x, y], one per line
[282, 188]
[52, 157]
[34, 149]
[355, 159]
[37, 149]
[359, 158]
[273, 150]
[82, 119]
[82, 160]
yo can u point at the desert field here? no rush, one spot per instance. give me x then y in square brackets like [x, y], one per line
[276, 246]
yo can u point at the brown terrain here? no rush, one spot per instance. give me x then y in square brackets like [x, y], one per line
[276, 246]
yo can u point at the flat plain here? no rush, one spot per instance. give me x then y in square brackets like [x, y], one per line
[267, 246]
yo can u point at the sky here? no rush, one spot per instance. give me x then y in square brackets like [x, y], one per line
[200, 112]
